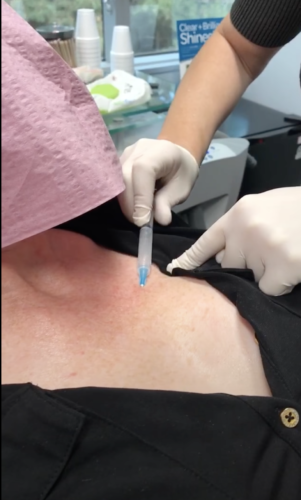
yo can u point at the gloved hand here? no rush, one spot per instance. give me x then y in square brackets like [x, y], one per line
[261, 232]
[160, 164]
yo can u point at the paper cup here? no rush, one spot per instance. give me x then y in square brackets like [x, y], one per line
[122, 55]
[124, 62]
[88, 52]
[88, 42]
[86, 26]
[127, 68]
[88, 49]
[88, 55]
[121, 40]
[93, 60]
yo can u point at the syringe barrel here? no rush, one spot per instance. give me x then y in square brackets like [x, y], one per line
[145, 247]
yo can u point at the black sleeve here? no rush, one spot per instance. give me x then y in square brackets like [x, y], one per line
[268, 23]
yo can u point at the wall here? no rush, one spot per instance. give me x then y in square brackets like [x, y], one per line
[278, 86]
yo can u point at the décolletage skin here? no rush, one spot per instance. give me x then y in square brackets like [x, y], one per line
[74, 316]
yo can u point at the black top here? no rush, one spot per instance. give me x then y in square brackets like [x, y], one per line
[268, 23]
[109, 444]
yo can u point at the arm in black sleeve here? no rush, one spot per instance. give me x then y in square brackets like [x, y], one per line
[268, 23]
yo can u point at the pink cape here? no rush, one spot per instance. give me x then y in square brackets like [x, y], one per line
[58, 160]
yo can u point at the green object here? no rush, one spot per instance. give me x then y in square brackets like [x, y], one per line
[163, 93]
[105, 89]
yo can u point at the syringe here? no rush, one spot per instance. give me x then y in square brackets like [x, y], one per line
[145, 251]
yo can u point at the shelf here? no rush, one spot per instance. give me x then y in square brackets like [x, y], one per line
[163, 93]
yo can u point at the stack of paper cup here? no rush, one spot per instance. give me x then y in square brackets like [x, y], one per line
[122, 55]
[87, 40]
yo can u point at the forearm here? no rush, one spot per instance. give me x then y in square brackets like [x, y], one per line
[215, 81]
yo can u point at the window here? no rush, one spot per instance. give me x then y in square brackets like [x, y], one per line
[42, 12]
[153, 22]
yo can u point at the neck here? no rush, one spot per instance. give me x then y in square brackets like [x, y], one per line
[57, 261]
[50, 253]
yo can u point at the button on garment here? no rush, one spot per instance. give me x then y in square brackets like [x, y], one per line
[290, 417]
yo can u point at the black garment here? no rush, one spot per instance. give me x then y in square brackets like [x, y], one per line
[114, 444]
[268, 23]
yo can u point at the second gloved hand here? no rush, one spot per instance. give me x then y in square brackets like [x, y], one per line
[261, 232]
[155, 164]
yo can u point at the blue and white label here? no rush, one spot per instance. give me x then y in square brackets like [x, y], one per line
[192, 34]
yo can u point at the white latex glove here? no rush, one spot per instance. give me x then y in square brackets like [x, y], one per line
[146, 162]
[261, 232]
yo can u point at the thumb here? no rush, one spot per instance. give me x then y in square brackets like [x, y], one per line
[270, 285]
[144, 180]
[173, 193]
[208, 245]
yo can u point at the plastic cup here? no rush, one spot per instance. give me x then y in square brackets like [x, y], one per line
[88, 52]
[126, 69]
[85, 47]
[82, 56]
[124, 62]
[88, 43]
[121, 40]
[122, 57]
[80, 53]
[93, 62]
[86, 26]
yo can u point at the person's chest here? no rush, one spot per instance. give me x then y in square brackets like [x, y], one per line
[177, 334]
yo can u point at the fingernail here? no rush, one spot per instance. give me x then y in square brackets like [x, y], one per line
[169, 268]
[141, 216]
[173, 264]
